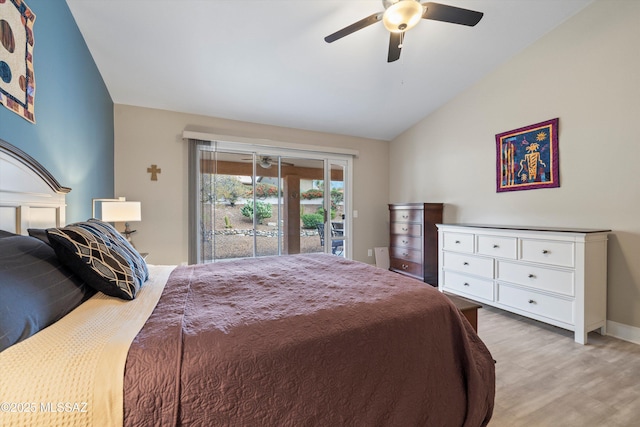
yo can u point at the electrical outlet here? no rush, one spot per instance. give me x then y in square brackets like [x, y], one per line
[370, 252]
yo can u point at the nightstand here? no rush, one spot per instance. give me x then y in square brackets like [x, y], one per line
[468, 308]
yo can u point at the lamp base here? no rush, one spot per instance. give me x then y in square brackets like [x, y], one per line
[128, 232]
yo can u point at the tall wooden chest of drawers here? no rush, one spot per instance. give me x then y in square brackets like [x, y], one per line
[557, 276]
[413, 240]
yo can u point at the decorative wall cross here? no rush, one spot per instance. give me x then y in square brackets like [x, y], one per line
[154, 170]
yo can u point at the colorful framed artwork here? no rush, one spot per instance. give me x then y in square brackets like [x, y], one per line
[527, 158]
[17, 80]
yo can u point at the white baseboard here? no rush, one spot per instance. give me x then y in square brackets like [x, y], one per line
[623, 332]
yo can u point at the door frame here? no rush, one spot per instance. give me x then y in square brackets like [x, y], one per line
[342, 157]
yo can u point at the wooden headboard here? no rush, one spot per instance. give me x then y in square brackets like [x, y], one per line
[30, 197]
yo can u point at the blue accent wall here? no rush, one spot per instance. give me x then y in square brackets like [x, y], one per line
[73, 133]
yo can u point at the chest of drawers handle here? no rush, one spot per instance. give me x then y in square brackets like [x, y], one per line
[531, 276]
[405, 266]
[465, 284]
[496, 246]
[405, 229]
[457, 242]
[465, 263]
[405, 216]
[532, 301]
[544, 251]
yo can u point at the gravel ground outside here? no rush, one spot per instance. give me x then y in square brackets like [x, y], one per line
[241, 245]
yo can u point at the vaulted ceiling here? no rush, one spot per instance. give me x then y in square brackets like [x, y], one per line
[266, 61]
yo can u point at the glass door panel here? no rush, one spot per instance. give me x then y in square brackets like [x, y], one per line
[302, 205]
[336, 202]
[268, 205]
[227, 226]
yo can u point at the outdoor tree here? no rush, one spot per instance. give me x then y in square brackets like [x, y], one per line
[227, 188]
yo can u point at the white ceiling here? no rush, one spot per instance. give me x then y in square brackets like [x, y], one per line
[266, 61]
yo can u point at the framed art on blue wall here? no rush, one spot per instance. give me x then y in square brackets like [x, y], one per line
[527, 157]
[17, 80]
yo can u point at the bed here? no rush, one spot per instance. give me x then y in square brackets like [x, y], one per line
[274, 341]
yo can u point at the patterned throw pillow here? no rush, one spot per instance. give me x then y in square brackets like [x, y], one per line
[101, 256]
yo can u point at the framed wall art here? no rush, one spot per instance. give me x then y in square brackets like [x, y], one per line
[527, 158]
[17, 80]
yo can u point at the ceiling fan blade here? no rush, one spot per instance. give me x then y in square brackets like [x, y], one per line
[454, 15]
[354, 27]
[394, 46]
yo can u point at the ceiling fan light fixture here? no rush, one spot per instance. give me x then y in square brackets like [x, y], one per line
[265, 162]
[402, 16]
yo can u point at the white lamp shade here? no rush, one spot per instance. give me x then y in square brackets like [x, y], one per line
[121, 211]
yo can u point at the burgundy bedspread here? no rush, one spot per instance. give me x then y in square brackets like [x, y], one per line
[305, 340]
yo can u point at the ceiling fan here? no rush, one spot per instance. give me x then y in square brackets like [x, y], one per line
[266, 162]
[400, 16]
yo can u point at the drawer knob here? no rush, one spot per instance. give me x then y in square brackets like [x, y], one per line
[466, 284]
[457, 242]
[532, 276]
[465, 263]
[544, 251]
[496, 246]
[405, 266]
[532, 302]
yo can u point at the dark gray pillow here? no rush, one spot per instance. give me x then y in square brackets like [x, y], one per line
[40, 234]
[101, 256]
[4, 233]
[35, 289]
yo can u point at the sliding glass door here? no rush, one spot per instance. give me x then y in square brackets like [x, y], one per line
[257, 202]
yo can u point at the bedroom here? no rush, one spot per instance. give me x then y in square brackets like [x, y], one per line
[591, 83]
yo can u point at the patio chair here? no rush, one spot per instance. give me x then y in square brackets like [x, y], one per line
[337, 246]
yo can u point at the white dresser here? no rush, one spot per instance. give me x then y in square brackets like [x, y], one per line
[554, 275]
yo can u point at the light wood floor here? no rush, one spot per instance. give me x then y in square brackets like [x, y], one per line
[543, 378]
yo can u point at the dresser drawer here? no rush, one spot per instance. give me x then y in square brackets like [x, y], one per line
[468, 264]
[533, 302]
[400, 241]
[406, 229]
[458, 242]
[408, 267]
[498, 246]
[547, 279]
[548, 252]
[406, 254]
[406, 215]
[472, 286]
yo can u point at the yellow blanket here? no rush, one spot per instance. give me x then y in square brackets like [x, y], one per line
[71, 373]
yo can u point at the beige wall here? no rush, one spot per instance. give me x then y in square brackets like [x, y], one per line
[146, 136]
[587, 73]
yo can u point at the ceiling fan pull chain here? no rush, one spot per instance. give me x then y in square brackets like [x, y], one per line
[402, 59]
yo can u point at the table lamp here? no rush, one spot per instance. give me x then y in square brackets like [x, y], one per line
[118, 210]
